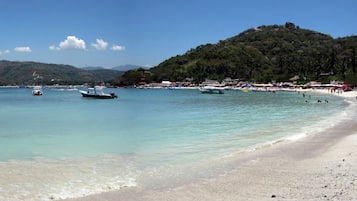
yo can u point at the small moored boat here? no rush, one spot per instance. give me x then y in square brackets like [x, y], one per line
[97, 92]
[37, 91]
[211, 90]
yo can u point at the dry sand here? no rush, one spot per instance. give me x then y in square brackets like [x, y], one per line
[319, 167]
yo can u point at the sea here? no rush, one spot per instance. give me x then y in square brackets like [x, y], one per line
[61, 145]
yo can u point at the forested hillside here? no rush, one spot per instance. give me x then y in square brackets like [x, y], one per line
[29, 73]
[261, 54]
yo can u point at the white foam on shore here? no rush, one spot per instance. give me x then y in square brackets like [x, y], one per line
[62, 179]
[330, 122]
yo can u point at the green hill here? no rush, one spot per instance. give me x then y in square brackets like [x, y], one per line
[261, 54]
[28, 73]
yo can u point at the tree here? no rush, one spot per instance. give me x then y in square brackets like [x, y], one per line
[265, 53]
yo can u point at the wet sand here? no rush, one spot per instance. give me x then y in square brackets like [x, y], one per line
[319, 167]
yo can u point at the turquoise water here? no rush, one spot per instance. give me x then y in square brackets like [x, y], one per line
[72, 146]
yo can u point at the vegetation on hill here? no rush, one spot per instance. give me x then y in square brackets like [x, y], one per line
[30, 73]
[262, 54]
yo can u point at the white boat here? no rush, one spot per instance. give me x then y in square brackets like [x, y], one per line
[211, 90]
[37, 91]
[97, 92]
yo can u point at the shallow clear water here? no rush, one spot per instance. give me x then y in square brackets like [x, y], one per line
[71, 146]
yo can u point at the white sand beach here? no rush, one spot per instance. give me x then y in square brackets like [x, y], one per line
[348, 94]
[319, 167]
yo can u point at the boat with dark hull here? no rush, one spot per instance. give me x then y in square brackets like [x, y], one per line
[97, 92]
[37, 91]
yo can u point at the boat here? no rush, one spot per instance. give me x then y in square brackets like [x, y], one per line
[37, 91]
[97, 92]
[211, 90]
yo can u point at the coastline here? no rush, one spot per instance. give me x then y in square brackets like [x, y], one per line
[318, 167]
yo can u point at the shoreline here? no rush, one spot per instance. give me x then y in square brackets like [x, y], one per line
[318, 167]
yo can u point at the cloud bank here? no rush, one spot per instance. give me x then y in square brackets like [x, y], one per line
[118, 48]
[23, 49]
[75, 43]
[100, 45]
[71, 43]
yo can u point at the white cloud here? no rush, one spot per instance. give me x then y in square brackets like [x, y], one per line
[52, 47]
[23, 49]
[118, 48]
[100, 45]
[4, 52]
[71, 43]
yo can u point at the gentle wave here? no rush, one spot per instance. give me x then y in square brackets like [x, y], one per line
[43, 179]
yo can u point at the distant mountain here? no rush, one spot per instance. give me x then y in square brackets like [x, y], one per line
[28, 73]
[93, 68]
[262, 54]
[127, 67]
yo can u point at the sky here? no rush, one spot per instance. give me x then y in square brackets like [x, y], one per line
[110, 33]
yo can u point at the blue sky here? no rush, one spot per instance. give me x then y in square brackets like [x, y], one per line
[110, 33]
